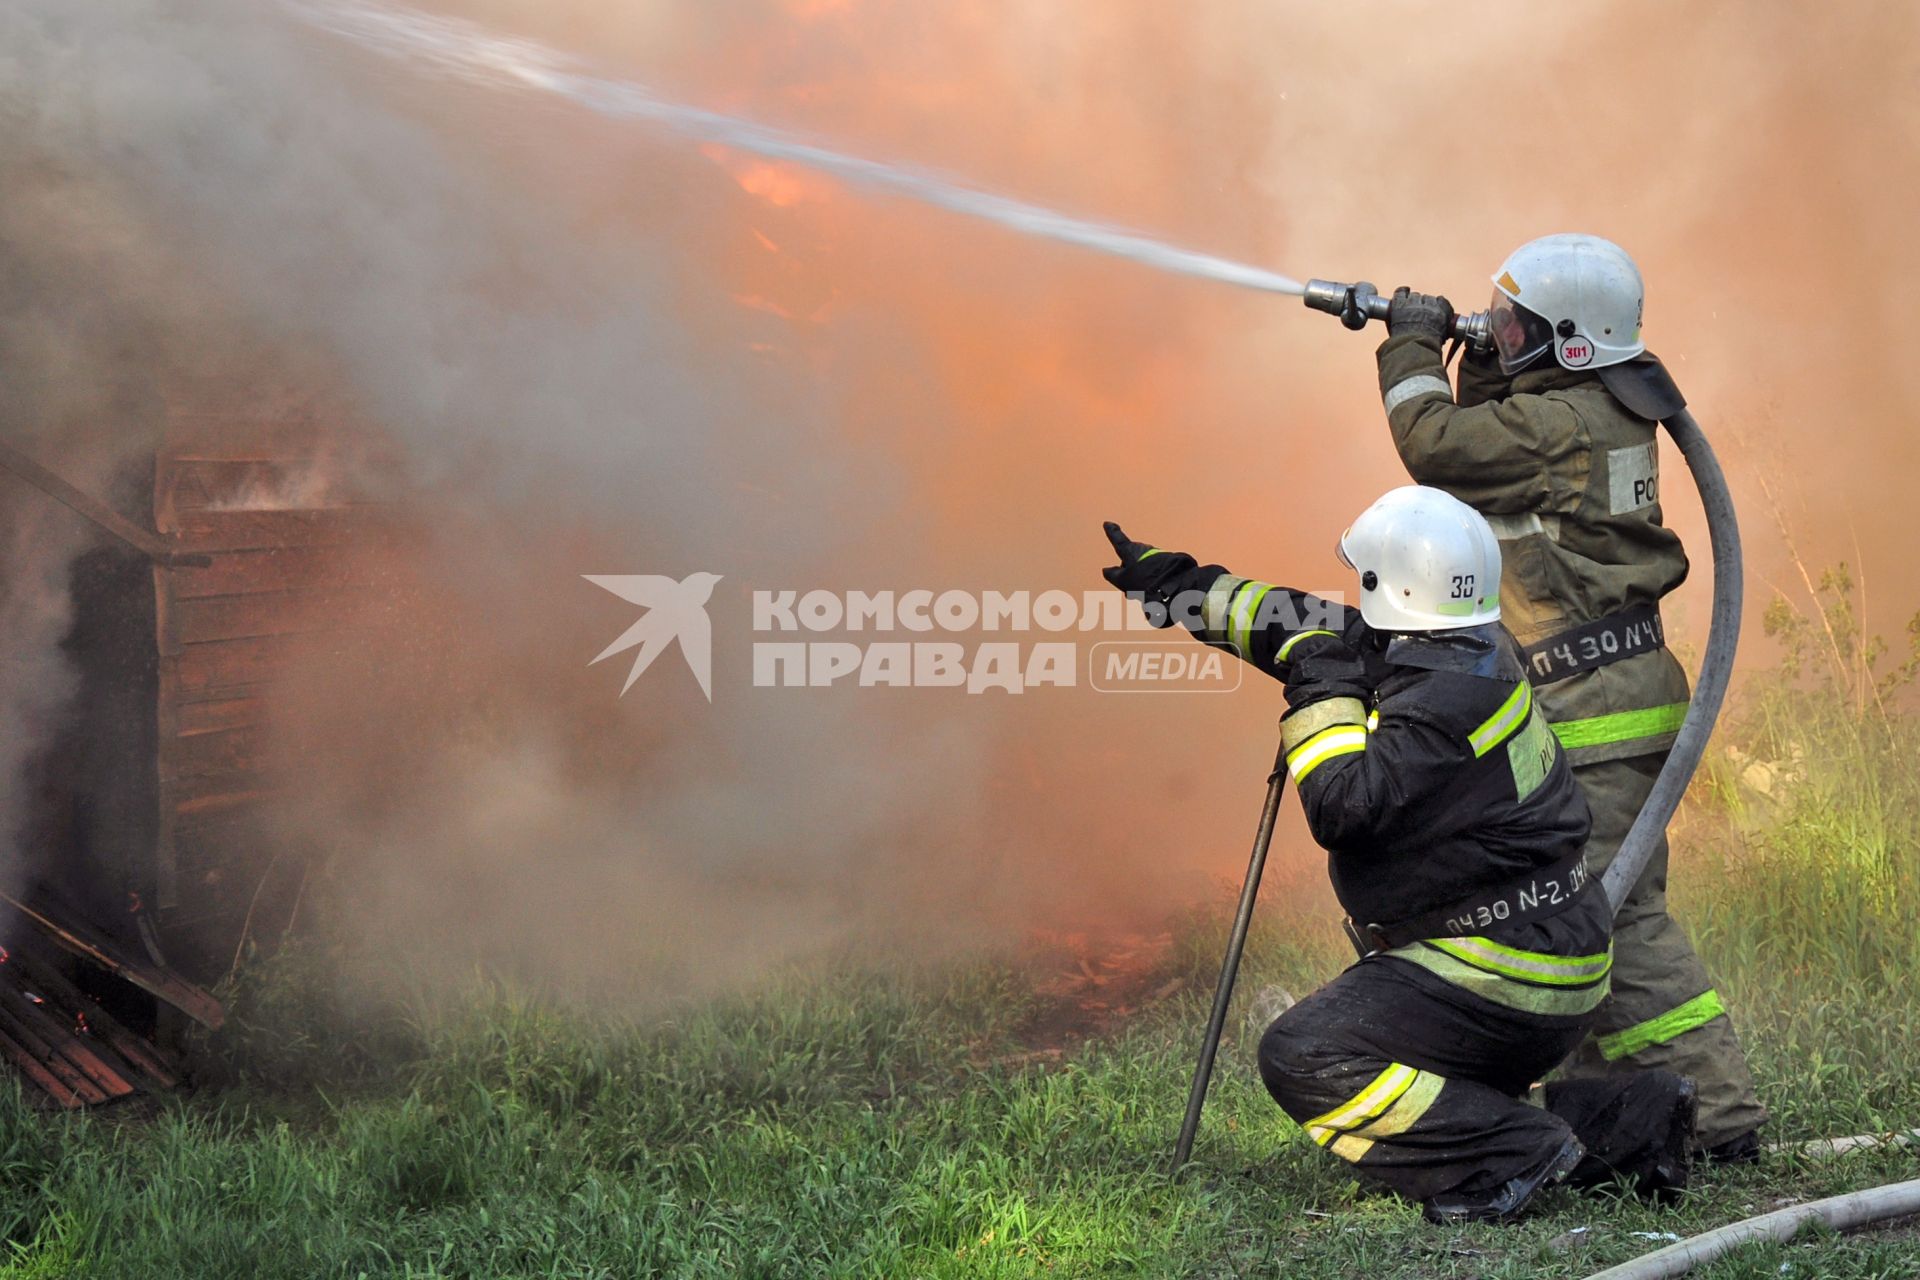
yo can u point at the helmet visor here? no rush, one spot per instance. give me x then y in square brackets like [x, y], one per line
[1519, 335]
[1340, 552]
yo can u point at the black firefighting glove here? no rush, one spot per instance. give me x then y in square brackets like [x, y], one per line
[1147, 573]
[1419, 313]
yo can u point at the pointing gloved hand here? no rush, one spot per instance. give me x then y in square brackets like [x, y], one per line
[1419, 313]
[1146, 571]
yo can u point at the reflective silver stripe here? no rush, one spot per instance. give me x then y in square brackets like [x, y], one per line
[1420, 384]
[1508, 528]
[1246, 606]
[1633, 478]
[1551, 1001]
[1214, 612]
[1297, 726]
[1533, 966]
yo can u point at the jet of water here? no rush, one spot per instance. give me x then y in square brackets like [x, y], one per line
[468, 52]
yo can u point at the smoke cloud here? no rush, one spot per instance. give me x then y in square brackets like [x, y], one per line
[597, 349]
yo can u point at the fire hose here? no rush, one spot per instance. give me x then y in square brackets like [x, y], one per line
[1653, 395]
[1838, 1213]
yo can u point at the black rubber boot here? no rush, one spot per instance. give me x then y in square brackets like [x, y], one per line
[1506, 1201]
[1744, 1149]
[1638, 1130]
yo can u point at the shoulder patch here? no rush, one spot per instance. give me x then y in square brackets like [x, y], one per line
[1633, 477]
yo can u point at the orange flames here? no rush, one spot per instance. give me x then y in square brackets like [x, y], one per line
[781, 185]
[994, 398]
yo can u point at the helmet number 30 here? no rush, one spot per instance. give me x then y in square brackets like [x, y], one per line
[1462, 586]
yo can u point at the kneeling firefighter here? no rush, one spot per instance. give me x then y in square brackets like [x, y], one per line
[1454, 832]
[1551, 437]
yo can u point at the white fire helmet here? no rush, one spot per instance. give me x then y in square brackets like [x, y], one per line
[1427, 562]
[1580, 295]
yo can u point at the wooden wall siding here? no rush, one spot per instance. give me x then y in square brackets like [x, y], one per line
[230, 481]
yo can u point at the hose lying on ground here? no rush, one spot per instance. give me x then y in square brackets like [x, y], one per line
[1825, 1148]
[1841, 1213]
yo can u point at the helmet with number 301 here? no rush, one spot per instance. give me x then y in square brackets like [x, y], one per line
[1427, 562]
[1578, 296]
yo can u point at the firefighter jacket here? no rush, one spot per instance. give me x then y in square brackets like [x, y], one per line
[1423, 766]
[1569, 480]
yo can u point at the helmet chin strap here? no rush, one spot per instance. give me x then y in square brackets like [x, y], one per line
[1540, 361]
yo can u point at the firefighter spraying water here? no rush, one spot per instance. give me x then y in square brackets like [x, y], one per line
[1550, 437]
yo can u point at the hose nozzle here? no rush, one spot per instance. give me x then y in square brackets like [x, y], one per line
[1356, 304]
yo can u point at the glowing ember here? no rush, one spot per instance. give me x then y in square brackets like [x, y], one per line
[36, 999]
[80, 1024]
[780, 185]
[1116, 972]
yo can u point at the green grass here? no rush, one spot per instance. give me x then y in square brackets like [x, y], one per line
[881, 1120]
[848, 1124]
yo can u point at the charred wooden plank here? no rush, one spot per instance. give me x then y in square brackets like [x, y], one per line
[155, 981]
[265, 569]
[212, 796]
[218, 531]
[229, 751]
[135, 1055]
[13, 1004]
[221, 668]
[35, 1071]
[216, 715]
[56, 1024]
[303, 483]
[159, 549]
[216, 618]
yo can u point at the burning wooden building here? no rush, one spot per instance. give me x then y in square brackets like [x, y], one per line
[151, 861]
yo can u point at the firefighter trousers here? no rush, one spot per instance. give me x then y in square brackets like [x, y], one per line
[1663, 1012]
[1417, 1082]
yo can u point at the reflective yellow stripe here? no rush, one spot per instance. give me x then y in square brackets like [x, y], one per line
[1621, 726]
[1287, 648]
[1671, 1025]
[1551, 1001]
[1240, 617]
[1511, 715]
[1363, 1106]
[1148, 554]
[1373, 719]
[1526, 966]
[1390, 1105]
[1215, 616]
[1397, 1119]
[1341, 740]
